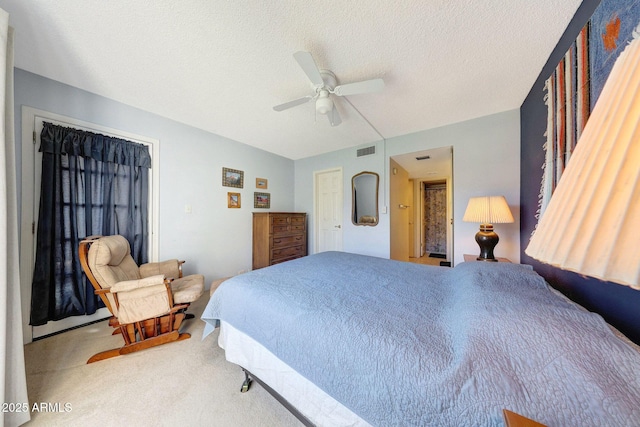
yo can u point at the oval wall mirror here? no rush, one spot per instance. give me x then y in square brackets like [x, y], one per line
[364, 191]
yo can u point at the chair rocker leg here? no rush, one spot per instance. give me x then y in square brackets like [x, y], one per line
[140, 345]
[104, 355]
[153, 341]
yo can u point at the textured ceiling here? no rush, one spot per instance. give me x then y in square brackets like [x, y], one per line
[222, 65]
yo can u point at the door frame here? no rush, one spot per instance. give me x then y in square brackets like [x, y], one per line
[30, 191]
[419, 229]
[316, 206]
[441, 170]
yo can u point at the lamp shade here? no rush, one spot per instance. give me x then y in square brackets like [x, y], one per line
[592, 223]
[488, 210]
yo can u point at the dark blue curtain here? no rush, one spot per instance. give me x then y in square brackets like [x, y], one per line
[91, 185]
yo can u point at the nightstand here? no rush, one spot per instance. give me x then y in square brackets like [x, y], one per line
[470, 258]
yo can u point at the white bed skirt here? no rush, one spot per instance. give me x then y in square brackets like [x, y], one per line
[316, 405]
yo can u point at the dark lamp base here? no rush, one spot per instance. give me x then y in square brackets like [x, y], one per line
[487, 240]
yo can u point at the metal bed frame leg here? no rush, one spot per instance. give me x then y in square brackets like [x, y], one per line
[246, 385]
[248, 380]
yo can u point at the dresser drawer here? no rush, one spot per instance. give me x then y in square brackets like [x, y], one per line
[280, 220]
[298, 220]
[292, 251]
[283, 229]
[279, 229]
[280, 242]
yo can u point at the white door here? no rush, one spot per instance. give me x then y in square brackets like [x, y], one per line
[329, 206]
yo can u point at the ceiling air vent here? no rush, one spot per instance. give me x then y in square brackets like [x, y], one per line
[366, 151]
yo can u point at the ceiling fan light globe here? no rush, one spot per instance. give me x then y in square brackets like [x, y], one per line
[324, 105]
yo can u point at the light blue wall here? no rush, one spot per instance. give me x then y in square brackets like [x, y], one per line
[486, 153]
[215, 240]
[358, 239]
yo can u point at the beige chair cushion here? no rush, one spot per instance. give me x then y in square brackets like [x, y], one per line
[141, 299]
[187, 289]
[143, 303]
[170, 269]
[110, 261]
[130, 285]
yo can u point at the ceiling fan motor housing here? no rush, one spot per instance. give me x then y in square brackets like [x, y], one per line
[324, 104]
[329, 79]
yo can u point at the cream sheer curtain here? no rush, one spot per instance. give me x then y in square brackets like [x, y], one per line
[12, 371]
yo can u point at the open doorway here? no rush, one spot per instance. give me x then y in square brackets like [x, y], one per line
[421, 206]
[433, 217]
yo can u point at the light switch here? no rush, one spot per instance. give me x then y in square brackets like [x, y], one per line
[187, 209]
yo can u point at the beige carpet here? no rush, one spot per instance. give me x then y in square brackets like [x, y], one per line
[186, 383]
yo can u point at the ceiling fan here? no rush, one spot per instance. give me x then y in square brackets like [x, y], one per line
[324, 84]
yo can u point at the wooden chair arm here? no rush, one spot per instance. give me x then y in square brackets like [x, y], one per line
[180, 268]
[179, 307]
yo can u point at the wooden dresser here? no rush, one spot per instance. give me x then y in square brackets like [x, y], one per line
[278, 237]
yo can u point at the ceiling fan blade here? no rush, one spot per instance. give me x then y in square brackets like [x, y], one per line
[366, 86]
[308, 65]
[334, 117]
[293, 103]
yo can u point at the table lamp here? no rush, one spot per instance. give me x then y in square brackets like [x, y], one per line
[592, 223]
[487, 210]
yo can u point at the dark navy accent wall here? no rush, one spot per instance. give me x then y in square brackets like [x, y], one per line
[619, 305]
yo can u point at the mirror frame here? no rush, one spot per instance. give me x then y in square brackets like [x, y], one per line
[353, 199]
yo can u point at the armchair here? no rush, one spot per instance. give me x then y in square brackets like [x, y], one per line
[148, 302]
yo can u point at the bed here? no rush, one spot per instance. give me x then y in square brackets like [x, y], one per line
[353, 340]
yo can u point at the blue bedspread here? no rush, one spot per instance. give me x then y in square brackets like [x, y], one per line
[402, 344]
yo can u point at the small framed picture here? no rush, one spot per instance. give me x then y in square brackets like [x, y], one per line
[233, 200]
[232, 178]
[261, 183]
[262, 200]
